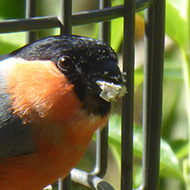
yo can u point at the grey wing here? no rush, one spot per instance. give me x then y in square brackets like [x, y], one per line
[15, 137]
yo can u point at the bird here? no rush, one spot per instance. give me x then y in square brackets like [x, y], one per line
[54, 94]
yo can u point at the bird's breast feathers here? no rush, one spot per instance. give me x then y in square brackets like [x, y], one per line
[44, 99]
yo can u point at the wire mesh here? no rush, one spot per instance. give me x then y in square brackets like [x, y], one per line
[153, 75]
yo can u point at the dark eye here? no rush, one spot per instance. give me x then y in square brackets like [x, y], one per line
[65, 63]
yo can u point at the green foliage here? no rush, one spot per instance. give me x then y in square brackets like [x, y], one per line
[12, 9]
[176, 102]
[177, 21]
[169, 163]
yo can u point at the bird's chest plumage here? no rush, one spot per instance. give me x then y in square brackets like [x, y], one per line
[61, 129]
[55, 155]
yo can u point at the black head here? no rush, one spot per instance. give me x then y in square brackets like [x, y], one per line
[84, 61]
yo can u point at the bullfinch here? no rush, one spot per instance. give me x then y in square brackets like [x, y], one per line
[54, 94]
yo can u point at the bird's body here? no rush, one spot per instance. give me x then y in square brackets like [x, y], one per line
[50, 109]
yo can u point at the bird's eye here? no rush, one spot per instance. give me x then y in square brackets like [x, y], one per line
[65, 63]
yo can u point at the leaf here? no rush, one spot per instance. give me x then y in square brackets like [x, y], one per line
[169, 163]
[181, 148]
[116, 33]
[10, 42]
[177, 22]
[12, 9]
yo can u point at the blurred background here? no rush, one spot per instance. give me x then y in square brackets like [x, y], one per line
[175, 159]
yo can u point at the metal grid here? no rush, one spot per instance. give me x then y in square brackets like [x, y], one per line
[153, 77]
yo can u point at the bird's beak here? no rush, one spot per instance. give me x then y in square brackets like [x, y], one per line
[108, 81]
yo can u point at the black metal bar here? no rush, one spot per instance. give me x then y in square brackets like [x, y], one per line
[101, 152]
[64, 184]
[143, 4]
[152, 101]
[93, 16]
[147, 87]
[102, 135]
[98, 15]
[107, 13]
[90, 180]
[31, 11]
[105, 27]
[37, 23]
[128, 99]
[65, 16]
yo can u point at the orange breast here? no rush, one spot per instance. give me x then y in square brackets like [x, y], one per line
[51, 159]
[43, 97]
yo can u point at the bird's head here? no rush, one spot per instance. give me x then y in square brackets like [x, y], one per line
[89, 64]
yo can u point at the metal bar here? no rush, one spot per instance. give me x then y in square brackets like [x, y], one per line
[64, 184]
[93, 16]
[143, 4]
[102, 135]
[128, 99]
[31, 11]
[65, 16]
[99, 15]
[108, 13]
[37, 23]
[152, 107]
[105, 27]
[101, 152]
[90, 180]
[147, 88]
